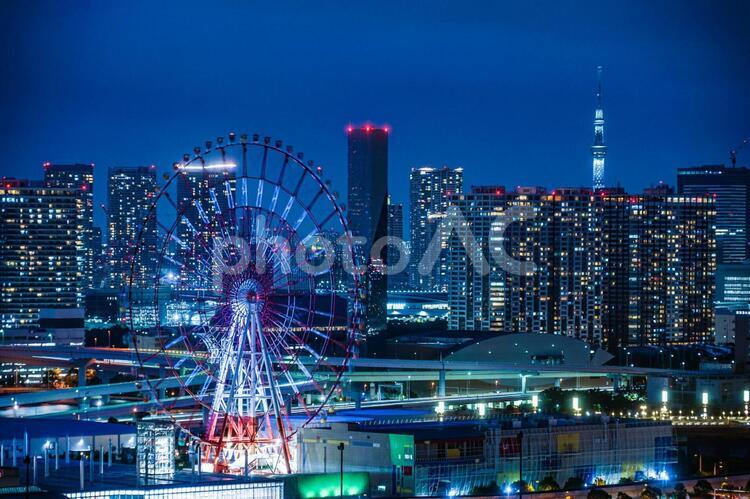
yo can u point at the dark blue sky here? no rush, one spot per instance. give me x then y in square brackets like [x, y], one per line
[504, 89]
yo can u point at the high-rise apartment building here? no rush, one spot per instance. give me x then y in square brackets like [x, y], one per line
[731, 189]
[131, 192]
[368, 218]
[41, 247]
[472, 297]
[429, 192]
[211, 189]
[672, 265]
[80, 178]
[605, 267]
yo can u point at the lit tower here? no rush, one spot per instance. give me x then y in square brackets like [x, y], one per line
[598, 150]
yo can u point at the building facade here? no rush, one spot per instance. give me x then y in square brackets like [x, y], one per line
[430, 190]
[197, 189]
[606, 267]
[367, 213]
[400, 280]
[731, 189]
[131, 192]
[41, 250]
[80, 178]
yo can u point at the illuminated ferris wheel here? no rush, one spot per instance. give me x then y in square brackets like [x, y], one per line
[251, 298]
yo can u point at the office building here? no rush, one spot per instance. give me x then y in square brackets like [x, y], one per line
[80, 178]
[429, 192]
[733, 283]
[40, 251]
[368, 218]
[731, 189]
[131, 227]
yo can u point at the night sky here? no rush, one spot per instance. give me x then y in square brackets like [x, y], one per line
[504, 89]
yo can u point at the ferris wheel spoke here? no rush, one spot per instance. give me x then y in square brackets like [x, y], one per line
[229, 195]
[300, 366]
[313, 331]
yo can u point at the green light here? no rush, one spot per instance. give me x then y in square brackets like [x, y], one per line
[327, 485]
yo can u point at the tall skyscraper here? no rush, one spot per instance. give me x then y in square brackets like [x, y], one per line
[130, 193]
[396, 230]
[731, 189]
[40, 251]
[469, 286]
[198, 183]
[673, 261]
[368, 218]
[610, 268]
[598, 150]
[559, 233]
[429, 192]
[79, 177]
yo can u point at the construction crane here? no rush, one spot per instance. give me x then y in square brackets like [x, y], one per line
[733, 152]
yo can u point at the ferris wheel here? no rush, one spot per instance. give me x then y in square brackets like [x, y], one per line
[250, 294]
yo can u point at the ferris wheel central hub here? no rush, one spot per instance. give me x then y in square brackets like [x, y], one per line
[248, 296]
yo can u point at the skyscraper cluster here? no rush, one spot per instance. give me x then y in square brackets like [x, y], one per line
[606, 267]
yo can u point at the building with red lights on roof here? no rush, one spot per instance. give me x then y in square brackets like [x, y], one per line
[367, 213]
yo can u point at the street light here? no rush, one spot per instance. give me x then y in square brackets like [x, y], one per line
[340, 447]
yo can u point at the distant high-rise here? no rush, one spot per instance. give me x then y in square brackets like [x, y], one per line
[429, 192]
[672, 254]
[731, 189]
[556, 232]
[130, 194]
[197, 183]
[598, 149]
[79, 177]
[40, 251]
[610, 268]
[396, 230]
[368, 218]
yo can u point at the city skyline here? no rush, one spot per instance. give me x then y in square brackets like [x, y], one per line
[406, 249]
[476, 100]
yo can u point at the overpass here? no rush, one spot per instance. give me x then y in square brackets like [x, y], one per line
[359, 371]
